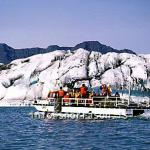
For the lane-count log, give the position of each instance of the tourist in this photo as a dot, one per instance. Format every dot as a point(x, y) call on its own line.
point(109, 90)
point(104, 90)
point(61, 93)
point(83, 91)
point(117, 94)
point(66, 99)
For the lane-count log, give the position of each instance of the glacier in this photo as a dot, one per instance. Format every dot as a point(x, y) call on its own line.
point(32, 77)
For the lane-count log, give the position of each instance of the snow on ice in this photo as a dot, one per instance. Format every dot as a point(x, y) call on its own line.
point(33, 77)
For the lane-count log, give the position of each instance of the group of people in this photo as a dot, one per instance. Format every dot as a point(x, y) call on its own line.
point(81, 92)
point(82, 96)
point(105, 90)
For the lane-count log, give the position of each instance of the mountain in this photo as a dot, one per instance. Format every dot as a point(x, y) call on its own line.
point(56, 47)
point(7, 53)
point(32, 77)
point(98, 47)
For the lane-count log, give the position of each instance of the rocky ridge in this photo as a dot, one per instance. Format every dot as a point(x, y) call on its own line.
point(8, 54)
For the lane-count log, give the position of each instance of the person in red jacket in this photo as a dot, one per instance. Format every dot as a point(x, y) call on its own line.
point(83, 91)
point(66, 99)
point(61, 93)
point(58, 104)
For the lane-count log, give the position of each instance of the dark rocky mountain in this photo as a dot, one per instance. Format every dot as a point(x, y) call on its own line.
point(97, 46)
point(7, 53)
point(56, 47)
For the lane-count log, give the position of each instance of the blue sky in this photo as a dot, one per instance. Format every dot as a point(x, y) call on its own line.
point(40, 23)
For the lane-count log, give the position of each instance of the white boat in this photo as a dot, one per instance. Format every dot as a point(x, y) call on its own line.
point(89, 108)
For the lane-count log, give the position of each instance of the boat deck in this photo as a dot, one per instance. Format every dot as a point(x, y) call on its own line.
point(95, 102)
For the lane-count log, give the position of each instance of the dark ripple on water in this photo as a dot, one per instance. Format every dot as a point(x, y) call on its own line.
point(19, 131)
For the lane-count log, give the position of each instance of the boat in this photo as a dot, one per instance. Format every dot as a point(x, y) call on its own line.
point(92, 107)
point(96, 107)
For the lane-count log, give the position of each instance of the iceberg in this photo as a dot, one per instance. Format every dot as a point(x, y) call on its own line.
point(32, 77)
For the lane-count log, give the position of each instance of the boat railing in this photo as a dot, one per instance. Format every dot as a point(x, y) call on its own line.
point(48, 101)
point(106, 102)
point(100, 101)
point(77, 102)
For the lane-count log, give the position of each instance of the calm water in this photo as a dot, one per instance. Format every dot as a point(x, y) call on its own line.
point(20, 132)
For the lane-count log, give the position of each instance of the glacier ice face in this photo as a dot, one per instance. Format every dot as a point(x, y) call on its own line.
point(16, 92)
point(2, 91)
point(34, 76)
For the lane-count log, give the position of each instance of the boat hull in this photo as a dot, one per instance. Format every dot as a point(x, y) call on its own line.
point(88, 110)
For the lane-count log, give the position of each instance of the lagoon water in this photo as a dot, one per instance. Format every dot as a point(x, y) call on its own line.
point(18, 131)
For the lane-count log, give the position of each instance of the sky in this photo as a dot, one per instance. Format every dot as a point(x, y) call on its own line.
point(40, 23)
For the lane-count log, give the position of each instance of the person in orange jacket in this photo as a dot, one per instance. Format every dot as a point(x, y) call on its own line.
point(83, 91)
point(66, 99)
point(58, 103)
point(61, 93)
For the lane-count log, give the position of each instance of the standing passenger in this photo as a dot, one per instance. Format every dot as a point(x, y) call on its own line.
point(61, 93)
point(66, 99)
point(109, 90)
point(104, 90)
point(83, 91)
point(58, 103)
